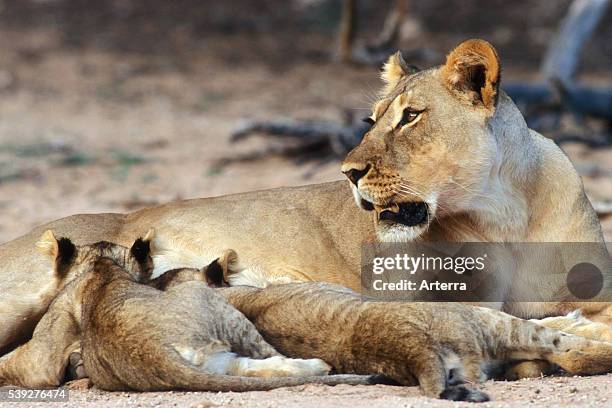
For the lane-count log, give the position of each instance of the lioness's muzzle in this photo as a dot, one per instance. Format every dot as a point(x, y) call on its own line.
point(410, 214)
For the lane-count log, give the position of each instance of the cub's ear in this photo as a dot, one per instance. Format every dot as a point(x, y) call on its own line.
point(149, 235)
point(218, 271)
point(60, 250)
point(473, 72)
point(141, 248)
point(47, 244)
point(394, 70)
point(66, 251)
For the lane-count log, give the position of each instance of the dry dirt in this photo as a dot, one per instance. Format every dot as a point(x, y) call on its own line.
point(544, 392)
point(93, 130)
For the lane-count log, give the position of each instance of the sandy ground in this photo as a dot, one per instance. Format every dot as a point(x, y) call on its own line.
point(544, 392)
point(91, 130)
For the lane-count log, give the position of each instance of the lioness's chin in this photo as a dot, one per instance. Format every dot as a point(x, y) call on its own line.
point(395, 232)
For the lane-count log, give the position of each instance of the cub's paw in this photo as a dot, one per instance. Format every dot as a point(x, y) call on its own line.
point(303, 367)
point(75, 369)
point(462, 393)
point(313, 367)
point(82, 384)
point(279, 366)
point(529, 369)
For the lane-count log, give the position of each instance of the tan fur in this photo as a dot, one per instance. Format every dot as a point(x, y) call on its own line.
point(463, 64)
point(42, 361)
point(440, 345)
point(393, 70)
point(135, 337)
point(484, 175)
point(47, 245)
point(487, 176)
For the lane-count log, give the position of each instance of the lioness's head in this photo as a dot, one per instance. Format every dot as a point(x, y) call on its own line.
point(70, 260)
point(429, 149)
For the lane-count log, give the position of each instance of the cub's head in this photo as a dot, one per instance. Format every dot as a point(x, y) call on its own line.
point(70, 260)
point(216, 274)
point(430, 148)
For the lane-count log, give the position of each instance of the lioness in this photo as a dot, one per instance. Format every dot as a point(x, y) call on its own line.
point(449, 158)
point(135, 337)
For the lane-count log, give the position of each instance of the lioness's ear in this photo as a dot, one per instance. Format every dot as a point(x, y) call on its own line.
point(472, 71)
point(141, 248)
point(218, 271)
point(394, 70)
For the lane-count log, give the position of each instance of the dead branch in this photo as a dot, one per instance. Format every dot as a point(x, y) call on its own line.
point(339, 138)
point(603, 209)
point(594, 102)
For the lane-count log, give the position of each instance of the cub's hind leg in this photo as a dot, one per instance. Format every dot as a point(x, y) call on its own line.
point(216, 358)
point(242, 334)
point(233, 328)
point(239, 348)
point(279, 366)
point(439, 379)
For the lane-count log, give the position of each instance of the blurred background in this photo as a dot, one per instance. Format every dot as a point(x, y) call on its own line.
point(119, 104)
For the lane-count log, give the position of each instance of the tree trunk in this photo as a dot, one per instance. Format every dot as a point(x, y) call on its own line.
point(563, 54)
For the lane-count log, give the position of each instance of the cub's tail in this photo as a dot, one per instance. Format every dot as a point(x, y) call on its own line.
point(210, 382)
point(174, 373)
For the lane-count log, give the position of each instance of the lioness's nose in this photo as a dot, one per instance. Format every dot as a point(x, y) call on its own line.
point(355, 174)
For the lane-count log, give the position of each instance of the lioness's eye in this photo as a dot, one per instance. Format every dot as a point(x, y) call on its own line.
point(408, 116)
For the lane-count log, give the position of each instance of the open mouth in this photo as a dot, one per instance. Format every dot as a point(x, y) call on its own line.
point(410, 214)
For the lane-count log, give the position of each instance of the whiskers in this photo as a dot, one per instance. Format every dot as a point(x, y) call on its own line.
point(368, 97)
point(405, 191)
point(472, 192)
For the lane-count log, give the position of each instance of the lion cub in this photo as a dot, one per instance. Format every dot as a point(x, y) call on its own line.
point(440, 346)
point(135, 337)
